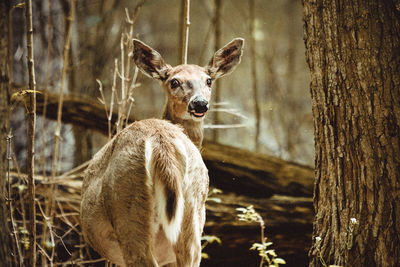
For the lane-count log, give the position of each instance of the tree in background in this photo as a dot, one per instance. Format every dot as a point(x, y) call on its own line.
point(4, 111)
point(353, 52)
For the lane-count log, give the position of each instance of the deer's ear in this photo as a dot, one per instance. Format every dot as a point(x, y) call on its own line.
point(149, 61)
point(226, 59)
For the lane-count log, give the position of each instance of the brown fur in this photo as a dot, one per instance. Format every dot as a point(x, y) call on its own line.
point(192, 80)
point(118, 203)
point(144, 192)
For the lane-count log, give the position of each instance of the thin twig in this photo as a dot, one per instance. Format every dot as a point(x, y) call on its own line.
point(10, 201)
point(229, 111)
point(123, 81)
point(50, 204)
point(131, 99)
point(48, 60)
point(48, 224)
point(74, 170)
point(224, 126)
point(62, 81)
point(217, 44)
point(185, 34)
point(103, 101)
point(78, 262)
point(44, 252)
point(31, 134)
point(113, 94)
point(10, 40)
point(253, 56)
point(43, 137)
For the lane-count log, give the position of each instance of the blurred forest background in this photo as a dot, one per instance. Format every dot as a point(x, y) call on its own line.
point(282, 77)
point(264, 105)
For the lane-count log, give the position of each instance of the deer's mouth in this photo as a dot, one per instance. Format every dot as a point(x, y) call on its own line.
point(197, 114)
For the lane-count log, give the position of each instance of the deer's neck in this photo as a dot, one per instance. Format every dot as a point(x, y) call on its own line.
point(193, 129)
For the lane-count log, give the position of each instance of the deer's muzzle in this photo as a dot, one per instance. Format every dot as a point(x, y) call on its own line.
point(198, 107)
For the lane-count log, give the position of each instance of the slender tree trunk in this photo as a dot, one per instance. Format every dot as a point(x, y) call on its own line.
point(5, 251)
point(31, 134)
point(217, 45)
point(253, 55)
point(353, 51)
point(185, 31)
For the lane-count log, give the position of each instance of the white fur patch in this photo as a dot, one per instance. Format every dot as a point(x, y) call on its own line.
point(172, 229)
point(148, 152)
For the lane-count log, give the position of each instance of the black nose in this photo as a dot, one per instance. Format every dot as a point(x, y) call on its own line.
point(199, 105)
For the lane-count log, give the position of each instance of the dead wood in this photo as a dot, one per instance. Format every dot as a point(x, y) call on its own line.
point(288, 223)
point(231, 169)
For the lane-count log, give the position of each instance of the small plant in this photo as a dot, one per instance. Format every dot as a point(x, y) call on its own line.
point(211, 195)
point(208, 239)
point(268, 256)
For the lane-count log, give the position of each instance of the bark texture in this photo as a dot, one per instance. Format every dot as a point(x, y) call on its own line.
point(353, 51)
point(5, 255)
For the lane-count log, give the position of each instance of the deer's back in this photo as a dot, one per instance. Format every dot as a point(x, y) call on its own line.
point(117, 185)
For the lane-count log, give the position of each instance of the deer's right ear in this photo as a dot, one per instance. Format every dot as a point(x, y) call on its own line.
point(149, 61)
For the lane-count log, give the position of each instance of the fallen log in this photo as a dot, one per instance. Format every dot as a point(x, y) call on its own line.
point(78, 110)
point(231, 169)
point(248, 173)
point(287, 221)
point(280, 191)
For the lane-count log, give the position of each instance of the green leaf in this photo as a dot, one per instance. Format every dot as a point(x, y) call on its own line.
point(271, 252)
point(211, 239)
point(241, 209)
point(279, 261)
point(20, 5)
point(267, 244)
point(216, 191)
point(215, 199)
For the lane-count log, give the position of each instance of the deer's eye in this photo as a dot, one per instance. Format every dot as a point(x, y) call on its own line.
point(174, 83)
point(209, 82)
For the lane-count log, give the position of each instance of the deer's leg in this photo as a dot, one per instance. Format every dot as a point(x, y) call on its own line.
point(188, 247)
point(134, 236)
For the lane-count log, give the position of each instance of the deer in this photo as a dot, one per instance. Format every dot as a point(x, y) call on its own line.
point(144, 192)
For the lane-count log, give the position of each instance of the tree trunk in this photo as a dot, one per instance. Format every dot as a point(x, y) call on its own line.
point(5, 255)
point(353, 51)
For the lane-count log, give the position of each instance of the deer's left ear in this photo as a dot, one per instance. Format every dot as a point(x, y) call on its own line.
point(226, 59)
point(149, 61)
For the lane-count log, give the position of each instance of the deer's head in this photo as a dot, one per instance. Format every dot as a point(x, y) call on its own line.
point(188, 87)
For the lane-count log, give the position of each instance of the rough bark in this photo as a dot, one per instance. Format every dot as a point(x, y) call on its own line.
point(5, 251)
point(353, 51)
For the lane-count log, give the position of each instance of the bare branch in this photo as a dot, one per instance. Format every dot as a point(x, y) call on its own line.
point(31, 134)
point(185, 33)
point(10, 201)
